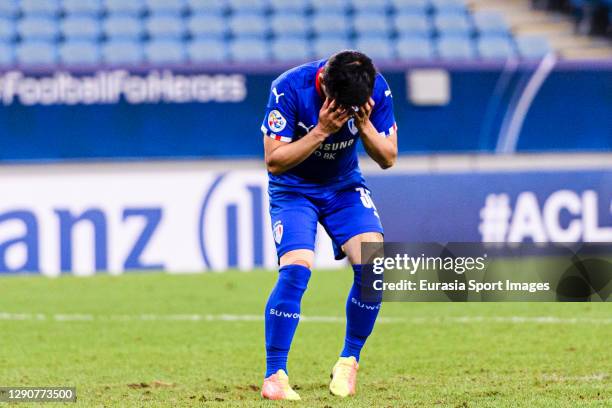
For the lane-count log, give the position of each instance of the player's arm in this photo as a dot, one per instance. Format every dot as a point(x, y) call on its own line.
point(383, 150)
point(282, 156)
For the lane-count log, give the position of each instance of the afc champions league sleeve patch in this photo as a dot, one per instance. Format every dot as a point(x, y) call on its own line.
point(276, 121)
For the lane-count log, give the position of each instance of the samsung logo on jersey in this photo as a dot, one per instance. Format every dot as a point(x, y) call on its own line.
point(327, 150)
point(336, 146)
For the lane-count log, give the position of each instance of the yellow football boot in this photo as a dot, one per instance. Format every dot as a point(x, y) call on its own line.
point(344, 377)
point(276, 387)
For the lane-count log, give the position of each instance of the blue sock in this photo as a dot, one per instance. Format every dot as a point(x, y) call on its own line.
point(360, 318)
point(283, 314)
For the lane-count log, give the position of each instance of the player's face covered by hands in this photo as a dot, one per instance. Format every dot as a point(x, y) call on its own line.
point(332, 116)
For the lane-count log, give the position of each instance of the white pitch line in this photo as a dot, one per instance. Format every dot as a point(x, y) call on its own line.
point(79, 317)
point(22, 316)
point(581, 378)
point(73, 317)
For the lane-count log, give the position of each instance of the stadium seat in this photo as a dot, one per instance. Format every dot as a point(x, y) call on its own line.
point(248, 6)
point(495, 48)
point(329, 6)
point(411, 6)
point(289, 6)
point(38, 28)
point(490, 23)
point(122, 52)
point(325, 47)
point(7, 30)
point(165, 27)
point(371, 23)
point(8, 8)
point(207, 6)
point(414, 48)
point(413, 24)
point(165, 52)
point(249, 50)
point(450, 24)
point(163, 7)
point(79, 53)
point(6, 54)
point(330, 24)
point(207, 26)
point(449, 6)
point(49, 8)
point(36, 53)
point(248, 25)
point(206, 51)
point(290, 25)
point(82, 7)
point(532, 47)
point(377, 48)
point(123, 27)
point(291, 50)
point(365, 6)
point(131, 7)
point(81, 28)
point(455, 48)
point(334, 24)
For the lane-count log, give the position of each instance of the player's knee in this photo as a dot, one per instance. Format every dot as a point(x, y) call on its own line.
point(302, 262)
point(357, 240)
point(371, 237)
point(294, 279)
point(353, 247)
point(301, 257)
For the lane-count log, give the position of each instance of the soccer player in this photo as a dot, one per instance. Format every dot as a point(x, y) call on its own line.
point(315, 114)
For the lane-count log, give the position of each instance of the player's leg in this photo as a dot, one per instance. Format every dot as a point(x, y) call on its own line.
point(283, 307)
point(294, 222)
point(356, 205)
point(360, 314)
point(360, 319)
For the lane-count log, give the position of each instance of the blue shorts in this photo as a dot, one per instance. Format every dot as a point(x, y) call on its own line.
point(343, 213)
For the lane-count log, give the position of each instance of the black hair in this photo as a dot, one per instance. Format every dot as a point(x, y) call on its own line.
point(349, 78)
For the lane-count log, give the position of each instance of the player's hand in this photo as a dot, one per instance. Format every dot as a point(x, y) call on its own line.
point(331, 117)
point(362, 116)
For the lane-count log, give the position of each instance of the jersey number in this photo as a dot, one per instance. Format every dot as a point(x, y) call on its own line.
point(366, 199)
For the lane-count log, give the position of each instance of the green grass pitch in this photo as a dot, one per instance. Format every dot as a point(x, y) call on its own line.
point(197, 340)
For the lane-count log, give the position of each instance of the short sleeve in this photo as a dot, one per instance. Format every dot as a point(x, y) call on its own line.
point(279, 120)
point(382, 116)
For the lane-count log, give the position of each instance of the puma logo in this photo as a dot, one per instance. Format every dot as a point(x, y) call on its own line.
point(277, 95)
point(306, 128)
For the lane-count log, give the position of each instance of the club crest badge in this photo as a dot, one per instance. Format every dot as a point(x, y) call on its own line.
point(276, 121)
point(351, 126)
point(277, 231)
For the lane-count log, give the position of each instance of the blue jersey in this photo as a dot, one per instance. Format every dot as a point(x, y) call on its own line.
point(293, 110)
